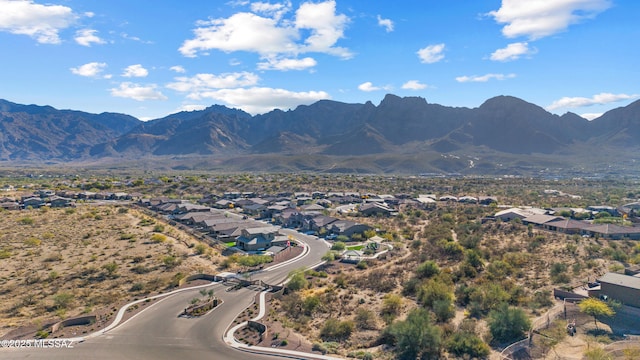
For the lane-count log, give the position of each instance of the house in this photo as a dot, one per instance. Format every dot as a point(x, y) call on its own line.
point(566, 226)
point(608, 209)
point(448, 198)
point(58, 202)
point(613, 232)
point(623, 288)
point(468, 200)
point(487, 200)
point(375, 209)
point(197, 218)
point(312, 207)
point(254, 239)
point(34, 202)
point(540, 219)
point(254, 210)
point(319, 222)
point(10, 205)
point(426, 201)
point(348, 228)
point(230, 230)
point(224, 204)
point(517, 213)
point(186, 207)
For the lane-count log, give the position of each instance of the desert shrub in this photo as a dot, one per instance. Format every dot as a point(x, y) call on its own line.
point(171, 261)
point(365, 319)
point(336, 330)
point(62, 300)
point(427, 269)
point(137, 287)
point(158, 238)
point(201, 249)
point(32, 241)
point(26, 221)
point(464, 344)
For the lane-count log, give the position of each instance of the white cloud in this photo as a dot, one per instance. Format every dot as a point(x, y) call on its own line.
point(201, 83)
point(136, 70)
point(598, 99)
point(484, 78)
point(41, 22)
point(512, 52)
point(431, 54)
point(325, 25)
point(275, 11)
point(179, 69)
point(287, 64)
point(86, 37)
point(536, 19)
point(190, 107)
point(259, 100)
point(368, 87)
point(591, 116)
point(241, 32)
point(137, 92)
point(414, 85)
point(270, 35)
point(92, 69)
point(385, 23)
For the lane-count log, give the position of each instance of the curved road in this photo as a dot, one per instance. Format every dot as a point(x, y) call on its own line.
point(158, 333)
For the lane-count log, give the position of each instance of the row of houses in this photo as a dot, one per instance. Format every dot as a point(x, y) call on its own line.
point(546, 220)
point(35, 202)
point(252, 235)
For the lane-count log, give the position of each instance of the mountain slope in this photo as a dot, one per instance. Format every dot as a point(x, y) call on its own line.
point(42, 132)
point(399, 135)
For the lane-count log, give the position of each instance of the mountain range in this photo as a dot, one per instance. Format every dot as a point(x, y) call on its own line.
point(400, 135)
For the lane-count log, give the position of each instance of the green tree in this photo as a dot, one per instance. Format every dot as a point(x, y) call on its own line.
point(464, 343)
point(338, 246)
point(595, 308)
point(416, 336)
point(508, 323)
point(434, 290)
point(297, 281)
point(427, 269)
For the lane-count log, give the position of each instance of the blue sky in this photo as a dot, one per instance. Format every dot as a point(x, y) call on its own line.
point(153, 58)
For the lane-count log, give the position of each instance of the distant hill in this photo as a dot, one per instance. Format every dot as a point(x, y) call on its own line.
point(405, 135)
point(43, 133)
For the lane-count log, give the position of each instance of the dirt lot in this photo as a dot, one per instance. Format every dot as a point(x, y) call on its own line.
point(605, 335)
point(61, 263)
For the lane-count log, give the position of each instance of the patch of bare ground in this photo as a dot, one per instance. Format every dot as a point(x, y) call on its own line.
point(90, 260)
point(276, 336)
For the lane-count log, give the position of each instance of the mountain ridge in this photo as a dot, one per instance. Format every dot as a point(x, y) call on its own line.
point(401, 134)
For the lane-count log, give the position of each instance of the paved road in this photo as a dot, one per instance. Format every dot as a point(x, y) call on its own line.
point(158, 333)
